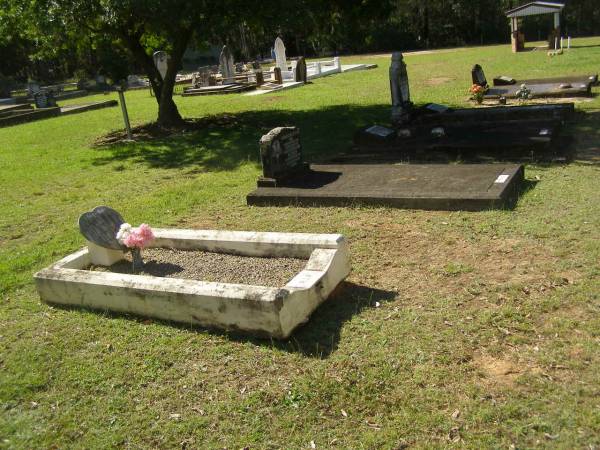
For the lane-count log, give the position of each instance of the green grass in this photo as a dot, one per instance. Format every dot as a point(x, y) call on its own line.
point(492, 314)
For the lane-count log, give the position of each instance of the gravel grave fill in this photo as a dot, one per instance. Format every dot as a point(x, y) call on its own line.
point(209, 266)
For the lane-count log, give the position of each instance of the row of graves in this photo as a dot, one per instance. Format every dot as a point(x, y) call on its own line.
point(411, 162)
point(230, 77)
point(41, 103)
point(268, 283)
point(507, 87)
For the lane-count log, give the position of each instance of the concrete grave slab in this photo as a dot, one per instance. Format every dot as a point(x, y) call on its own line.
point(468, 187)
point(75, 109)
point(266, 311)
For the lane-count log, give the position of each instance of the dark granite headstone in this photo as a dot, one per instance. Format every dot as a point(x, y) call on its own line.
point(478, 76)
point(101, 226)
point(300, 74)
point(504, 81)
point(277, 77)
point(281, 156)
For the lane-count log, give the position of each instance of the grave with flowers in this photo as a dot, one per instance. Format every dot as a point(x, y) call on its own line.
point(509, 87)
point(435, 132)
point(257, 282)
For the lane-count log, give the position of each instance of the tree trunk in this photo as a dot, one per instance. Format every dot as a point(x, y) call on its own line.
point(168, 114)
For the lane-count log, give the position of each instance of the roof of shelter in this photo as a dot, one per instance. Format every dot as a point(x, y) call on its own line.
point(535, 8)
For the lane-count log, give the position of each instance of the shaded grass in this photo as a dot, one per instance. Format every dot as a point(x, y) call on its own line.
point(493, 314)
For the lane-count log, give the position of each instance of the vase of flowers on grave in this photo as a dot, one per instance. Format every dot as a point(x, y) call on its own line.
point(524, 93)
point(135, 239)
point(477, 93)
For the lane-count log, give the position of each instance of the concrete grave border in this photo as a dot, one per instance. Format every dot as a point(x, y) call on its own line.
point(261, 310)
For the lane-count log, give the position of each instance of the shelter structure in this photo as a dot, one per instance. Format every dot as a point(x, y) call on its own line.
point(533, 9)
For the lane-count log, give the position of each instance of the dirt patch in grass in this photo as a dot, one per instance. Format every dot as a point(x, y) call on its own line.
point(497, 371)
point(152, 131)
point(436, 81)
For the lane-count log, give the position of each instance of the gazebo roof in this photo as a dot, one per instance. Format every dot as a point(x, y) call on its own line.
point(535, 8)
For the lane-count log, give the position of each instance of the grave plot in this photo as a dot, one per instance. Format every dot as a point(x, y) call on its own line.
point(260, 283)
point(437, 132)
point(75, 109)
point(17, 114)
point(507, 87)
point(288, 180)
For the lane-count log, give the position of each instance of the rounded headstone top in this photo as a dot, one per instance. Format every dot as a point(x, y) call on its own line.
point(100, 226)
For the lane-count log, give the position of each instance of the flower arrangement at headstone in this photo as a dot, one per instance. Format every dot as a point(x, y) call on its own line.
point(524, 93)
point(105, 227)
point(477, 92)
point(135, 239)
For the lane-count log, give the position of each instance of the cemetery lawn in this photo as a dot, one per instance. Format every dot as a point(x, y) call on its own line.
point(454, 329)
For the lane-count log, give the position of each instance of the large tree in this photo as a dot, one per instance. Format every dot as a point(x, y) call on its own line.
point(139, 26)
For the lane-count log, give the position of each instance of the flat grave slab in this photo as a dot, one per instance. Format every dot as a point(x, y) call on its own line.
point(579, 79)
point(541, 90)
point(219, 89)
point(468, 187)
point(74, 109)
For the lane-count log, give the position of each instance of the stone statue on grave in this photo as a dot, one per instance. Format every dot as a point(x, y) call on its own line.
point(226, 65)
point(401, 104)
point(161, 61)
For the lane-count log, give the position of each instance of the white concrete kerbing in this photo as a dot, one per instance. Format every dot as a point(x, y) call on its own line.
point(259, 310)
point(281, 87)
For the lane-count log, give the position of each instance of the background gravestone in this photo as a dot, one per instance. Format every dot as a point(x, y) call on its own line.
point(101, 226)
point(280, 60)
point(226, 65)
point(281, 156)
point(399, 87)
point(478, 76)
point(161, 61)
point(44, 99)
point(300, 72)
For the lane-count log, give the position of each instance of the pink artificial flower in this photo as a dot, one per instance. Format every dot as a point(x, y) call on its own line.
point(139, 237)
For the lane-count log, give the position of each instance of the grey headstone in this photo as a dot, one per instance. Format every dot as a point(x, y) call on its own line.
point(226, 65)
point(281, 152)
point(101, 226)
point(399, 88)
point(44, 99)
point(280, 58)
point(478, 76)
point(300, 72)
point(161, 61)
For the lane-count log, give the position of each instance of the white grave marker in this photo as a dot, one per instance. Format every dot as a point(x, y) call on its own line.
point(280, 54)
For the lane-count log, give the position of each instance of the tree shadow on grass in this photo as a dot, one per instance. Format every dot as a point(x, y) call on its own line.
point(225, 146)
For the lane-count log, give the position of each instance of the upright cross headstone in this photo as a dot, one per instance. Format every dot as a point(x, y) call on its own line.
point(478, 76)
point(300, 70)
point(281, 156)
point(280, 60)
point(401, 104)
point(226, 65)
point(161, 61)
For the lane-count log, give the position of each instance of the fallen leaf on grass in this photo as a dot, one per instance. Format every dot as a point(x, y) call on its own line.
point(175, 416)
point(456, 414)
point(344, 413)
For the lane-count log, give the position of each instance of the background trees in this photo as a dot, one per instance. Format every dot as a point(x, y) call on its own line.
point(50, 40)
